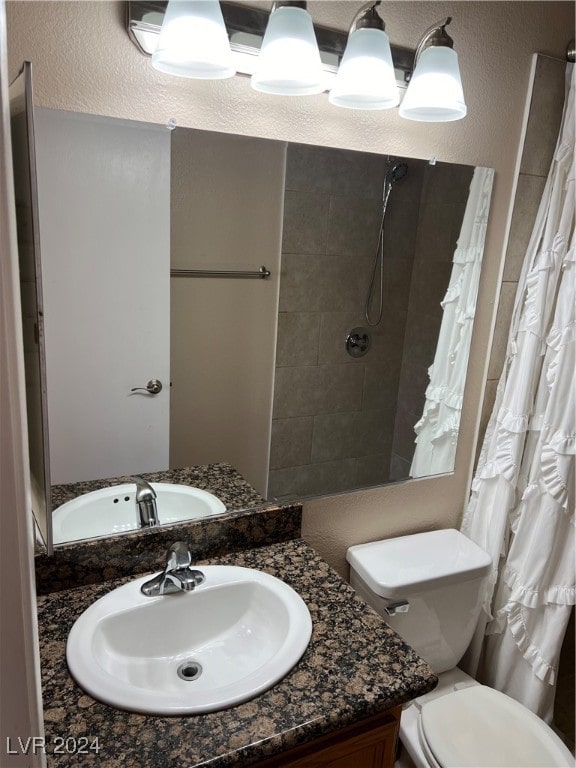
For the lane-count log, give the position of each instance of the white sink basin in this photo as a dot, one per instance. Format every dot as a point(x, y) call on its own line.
point(233, 637)
point(113, 510)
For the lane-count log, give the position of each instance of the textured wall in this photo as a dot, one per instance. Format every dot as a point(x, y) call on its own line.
point(84, 61)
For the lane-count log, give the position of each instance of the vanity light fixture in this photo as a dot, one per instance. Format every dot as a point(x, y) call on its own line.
point(435, 93)
point(246, 27)
point(285, 53)
point(289, 62)
point(193, 41)
point(366, 78)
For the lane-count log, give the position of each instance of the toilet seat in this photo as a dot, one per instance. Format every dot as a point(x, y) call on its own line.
point(478, 727)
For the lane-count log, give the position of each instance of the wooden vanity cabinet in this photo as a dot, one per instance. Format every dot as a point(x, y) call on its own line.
point(370, 743)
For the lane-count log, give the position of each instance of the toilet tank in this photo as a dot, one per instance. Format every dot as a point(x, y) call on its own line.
point(440, 574)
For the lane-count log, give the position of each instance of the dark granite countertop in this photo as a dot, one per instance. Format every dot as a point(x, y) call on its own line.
point(354, 667)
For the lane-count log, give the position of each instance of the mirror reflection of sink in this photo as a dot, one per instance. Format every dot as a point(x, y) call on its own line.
point(231, 638)
point(113, 510)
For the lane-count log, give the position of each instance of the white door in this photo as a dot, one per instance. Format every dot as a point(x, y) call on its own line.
point(104, 202)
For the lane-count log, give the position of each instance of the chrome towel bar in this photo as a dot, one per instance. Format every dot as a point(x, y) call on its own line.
point(260, 274)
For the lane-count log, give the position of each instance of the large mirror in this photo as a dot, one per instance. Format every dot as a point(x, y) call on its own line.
point(314, 379)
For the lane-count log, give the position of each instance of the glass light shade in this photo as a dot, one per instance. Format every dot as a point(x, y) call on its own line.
point(435, 91)
point(289, 61)
point(365, 78)
point(193, 41)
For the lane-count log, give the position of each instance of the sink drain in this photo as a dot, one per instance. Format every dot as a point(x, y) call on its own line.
point(189, 671)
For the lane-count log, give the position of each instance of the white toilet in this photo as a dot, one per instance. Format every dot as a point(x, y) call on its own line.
point(427, 587)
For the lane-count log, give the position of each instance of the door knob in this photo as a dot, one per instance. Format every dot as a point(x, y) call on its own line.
point(152, 388)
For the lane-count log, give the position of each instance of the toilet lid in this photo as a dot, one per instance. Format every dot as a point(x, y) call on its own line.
point(478, 727)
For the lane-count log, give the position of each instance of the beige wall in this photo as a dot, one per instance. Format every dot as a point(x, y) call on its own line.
point(84, 61)
point(227, 197)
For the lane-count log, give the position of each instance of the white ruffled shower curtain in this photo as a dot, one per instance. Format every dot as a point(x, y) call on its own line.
point(521, 509)
point(437, 430)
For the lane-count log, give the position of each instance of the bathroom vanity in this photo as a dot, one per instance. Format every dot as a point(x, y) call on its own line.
point(339, 706)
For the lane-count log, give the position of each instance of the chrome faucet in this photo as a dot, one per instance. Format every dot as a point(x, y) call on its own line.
point(177, 575)
point(145, 503)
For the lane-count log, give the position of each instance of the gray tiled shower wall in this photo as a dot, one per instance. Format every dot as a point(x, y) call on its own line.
point(334, 416)
point(442, 205)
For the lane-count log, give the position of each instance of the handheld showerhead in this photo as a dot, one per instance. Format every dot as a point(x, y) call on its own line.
point(397, 172)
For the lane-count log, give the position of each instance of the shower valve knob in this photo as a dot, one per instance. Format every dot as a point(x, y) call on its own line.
point(358, 342)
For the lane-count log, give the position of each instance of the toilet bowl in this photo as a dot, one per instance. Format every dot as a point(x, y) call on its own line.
point(427, 586)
